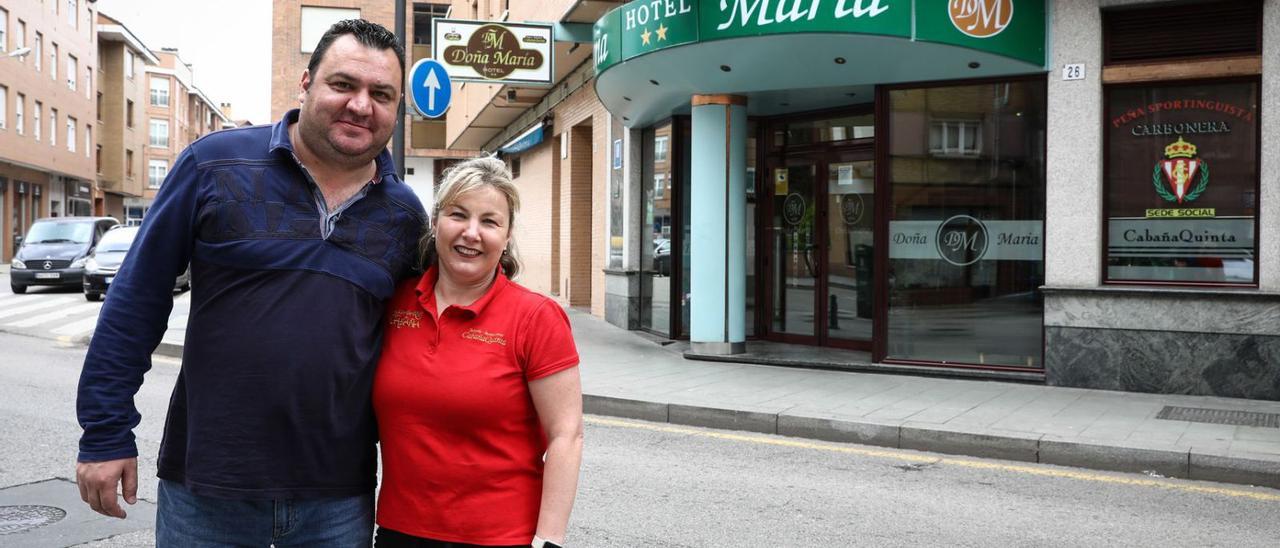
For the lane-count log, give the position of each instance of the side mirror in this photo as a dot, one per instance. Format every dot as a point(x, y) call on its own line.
point(17, 241)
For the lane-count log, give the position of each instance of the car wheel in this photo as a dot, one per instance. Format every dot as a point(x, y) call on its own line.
point(19, 289)
point(92, 296)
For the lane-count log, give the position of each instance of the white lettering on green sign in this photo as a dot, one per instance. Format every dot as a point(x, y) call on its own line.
point(652, 10)
point(783, 11)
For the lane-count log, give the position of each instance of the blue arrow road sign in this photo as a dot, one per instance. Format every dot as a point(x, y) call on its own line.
point(429, 87)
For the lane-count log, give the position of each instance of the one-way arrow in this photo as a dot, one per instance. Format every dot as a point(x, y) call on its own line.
point(432, 85)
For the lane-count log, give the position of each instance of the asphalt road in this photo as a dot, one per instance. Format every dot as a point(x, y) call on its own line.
point(657, 485)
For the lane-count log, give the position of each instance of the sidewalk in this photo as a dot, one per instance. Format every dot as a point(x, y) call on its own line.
point(624, 374)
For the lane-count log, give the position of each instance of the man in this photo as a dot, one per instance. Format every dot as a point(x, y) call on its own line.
point(296, 235)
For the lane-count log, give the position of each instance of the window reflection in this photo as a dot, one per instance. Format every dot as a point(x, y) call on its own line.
point(966, 228)
point(655, 232)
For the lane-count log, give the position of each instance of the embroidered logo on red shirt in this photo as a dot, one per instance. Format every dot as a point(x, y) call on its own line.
point(406, 318)
point(485, 336)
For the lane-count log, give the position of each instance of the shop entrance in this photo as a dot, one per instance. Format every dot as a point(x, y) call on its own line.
point(817, 244)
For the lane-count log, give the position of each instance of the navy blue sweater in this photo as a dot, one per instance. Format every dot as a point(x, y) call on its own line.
point(273, 399)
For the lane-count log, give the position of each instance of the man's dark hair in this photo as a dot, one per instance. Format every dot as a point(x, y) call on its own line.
point(371, 35)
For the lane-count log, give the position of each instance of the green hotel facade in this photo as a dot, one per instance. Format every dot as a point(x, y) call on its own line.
point(1081, 193)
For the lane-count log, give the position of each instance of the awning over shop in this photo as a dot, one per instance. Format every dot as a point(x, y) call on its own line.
point(525, 141)
point(651, 56)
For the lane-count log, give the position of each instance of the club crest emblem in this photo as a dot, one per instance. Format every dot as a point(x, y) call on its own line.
point(1181, 176)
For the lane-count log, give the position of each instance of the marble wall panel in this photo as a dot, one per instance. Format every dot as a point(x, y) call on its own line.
point(1073, 166)
point(1269, 199)
point(1163, 362)
point(1174, 310)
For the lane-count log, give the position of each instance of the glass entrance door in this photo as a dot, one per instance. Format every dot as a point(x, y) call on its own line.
point(821, 249)
point(848, 257)
point(796, 261)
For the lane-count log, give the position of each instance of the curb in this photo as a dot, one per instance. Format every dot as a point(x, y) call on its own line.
point(172, 350)
point(1009, 445)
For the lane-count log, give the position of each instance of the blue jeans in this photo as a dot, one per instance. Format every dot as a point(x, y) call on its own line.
point(187, 520)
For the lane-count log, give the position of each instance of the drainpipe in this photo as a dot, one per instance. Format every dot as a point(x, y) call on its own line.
point(397, 138)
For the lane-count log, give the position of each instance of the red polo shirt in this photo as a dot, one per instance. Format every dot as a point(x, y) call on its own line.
point(461, 443)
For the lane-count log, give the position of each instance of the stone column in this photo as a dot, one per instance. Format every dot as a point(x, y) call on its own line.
point(717, 225)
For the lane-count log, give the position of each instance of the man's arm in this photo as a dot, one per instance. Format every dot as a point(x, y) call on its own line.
point(130, 326)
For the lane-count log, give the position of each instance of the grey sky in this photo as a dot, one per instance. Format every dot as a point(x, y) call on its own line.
point(227, 43)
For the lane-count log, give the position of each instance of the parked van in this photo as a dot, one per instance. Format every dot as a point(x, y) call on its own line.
point(54, 251)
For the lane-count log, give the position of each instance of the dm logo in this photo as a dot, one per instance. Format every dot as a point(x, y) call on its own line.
point(961, 240)
point(981, 18)
point(1178, 171)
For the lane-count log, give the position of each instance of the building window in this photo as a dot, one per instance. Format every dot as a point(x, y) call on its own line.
point(73, 69)
point(37, 52)
point(98, 158)
point(128, 163)
point(20, 39)
point(128, 112)
point(73, 9)
point(88, 140)
point(19, 110)
point(128, 64)
point(966, 231)
point(661, 144)
point(88, 82)
point(53, 61)
point(4, 30)
point(99, 106)
point(159, 91)
point(955, 138)
point(315, 21)
point(4, 107)
point(423, 15)
point(71, 134)
point(53, 127)
point(160, 133)
point(157, 170)
point(36, 126)
point(1182, 183)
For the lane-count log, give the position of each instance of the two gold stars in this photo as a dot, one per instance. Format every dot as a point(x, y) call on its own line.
point(661, 30)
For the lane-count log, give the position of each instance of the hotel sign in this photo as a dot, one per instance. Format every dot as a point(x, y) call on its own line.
point(962, 240)
point(494, 53)
point(1012, 28)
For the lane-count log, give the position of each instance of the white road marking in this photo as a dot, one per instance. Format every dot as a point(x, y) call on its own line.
point(78, 327)
point(57, 314)
point(38, 305)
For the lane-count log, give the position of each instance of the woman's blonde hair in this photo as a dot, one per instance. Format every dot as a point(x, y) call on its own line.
point(465, 177)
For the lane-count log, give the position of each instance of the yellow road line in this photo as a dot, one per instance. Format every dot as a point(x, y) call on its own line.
point(1037, 470)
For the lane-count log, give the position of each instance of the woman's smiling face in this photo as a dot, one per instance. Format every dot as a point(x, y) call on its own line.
point(471, 234)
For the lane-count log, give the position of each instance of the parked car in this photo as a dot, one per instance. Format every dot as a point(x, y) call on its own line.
point(54, 251)
point(102, 265)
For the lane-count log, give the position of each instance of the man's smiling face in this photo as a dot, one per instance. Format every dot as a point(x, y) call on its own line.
point(349, 105)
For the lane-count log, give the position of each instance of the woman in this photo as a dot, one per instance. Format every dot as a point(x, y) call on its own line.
point(477, 393)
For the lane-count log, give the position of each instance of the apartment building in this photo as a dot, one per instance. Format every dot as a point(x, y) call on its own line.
point(298, 25)
point(123, 59)
point(177, 113)
point(48, 127)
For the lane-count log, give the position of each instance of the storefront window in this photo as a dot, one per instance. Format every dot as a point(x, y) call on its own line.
point(966, 230)
point(655, 234)
point(825, 130)
point(617, 214)
point(1182, 183)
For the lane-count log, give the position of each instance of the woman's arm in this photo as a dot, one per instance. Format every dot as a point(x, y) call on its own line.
point(558, 401)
